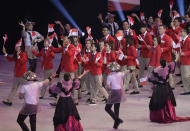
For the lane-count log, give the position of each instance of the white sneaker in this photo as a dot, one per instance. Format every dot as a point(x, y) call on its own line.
point(92, 103)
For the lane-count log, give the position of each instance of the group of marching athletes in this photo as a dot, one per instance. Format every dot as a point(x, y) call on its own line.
point(105, 66)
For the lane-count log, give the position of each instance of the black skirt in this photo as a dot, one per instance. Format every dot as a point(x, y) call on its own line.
point(160, 96)
point(65, 108)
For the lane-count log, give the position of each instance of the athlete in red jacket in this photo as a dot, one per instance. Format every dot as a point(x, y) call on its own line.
point(20, 60)
point(47, 64)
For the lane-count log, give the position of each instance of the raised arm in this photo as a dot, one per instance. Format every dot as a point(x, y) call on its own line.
point(60, 24)
point(57, 50)
point(46, 81)
point(23, 32)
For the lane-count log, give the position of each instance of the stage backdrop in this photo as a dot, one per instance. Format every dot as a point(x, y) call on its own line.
point(126, 5)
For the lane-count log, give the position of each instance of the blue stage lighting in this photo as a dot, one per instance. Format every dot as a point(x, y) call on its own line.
point(181, 7)
point(119, 10)
point(61, 8)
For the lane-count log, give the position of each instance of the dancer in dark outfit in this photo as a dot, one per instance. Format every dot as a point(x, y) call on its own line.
point(162, 103)
point(66, 117)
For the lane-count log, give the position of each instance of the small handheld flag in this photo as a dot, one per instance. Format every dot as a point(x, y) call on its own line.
point(50, 28)
point(130, 20)
point(5, 38)
point(88, 29)
point(19, 43)
point(171, 4)
point(73, 32)
point(142, 16)
point(143, 81)
point(160, 13)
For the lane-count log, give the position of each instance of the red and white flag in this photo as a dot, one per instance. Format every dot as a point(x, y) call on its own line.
point(19, 43)
point(126, 5)
point(171, 4)
point(90, 37)
point(119, 36)
point(51, 38)
point(151, 32)
point(88, 29)
point(142, 16)
point(61, 37)
point(55, 35)
point(140, 38)
point(160, 13)
point(34, 35)
point(130, 20)
point(137, 63)
point(98, 57)
point(5, 38)
point(143, 81)
point(73, 32)
point(121, 55)
point(176, 14)
point(50, 27)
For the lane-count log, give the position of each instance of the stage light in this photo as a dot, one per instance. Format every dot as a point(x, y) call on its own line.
point(181, 7)
point(61, 8)
point(119, 10)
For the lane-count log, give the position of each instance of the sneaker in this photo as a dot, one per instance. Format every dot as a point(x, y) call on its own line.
point(135, 92)
point(104, 99)
point(53, 95)
point(83, 91)
point(117, 123)
point(126, 90)
point(88, 100)
point(53, 104)
point(179, 83)
point(41, 97)
point(178, 74)
point(92, 103)
point(185, 93)
point(7, 103)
